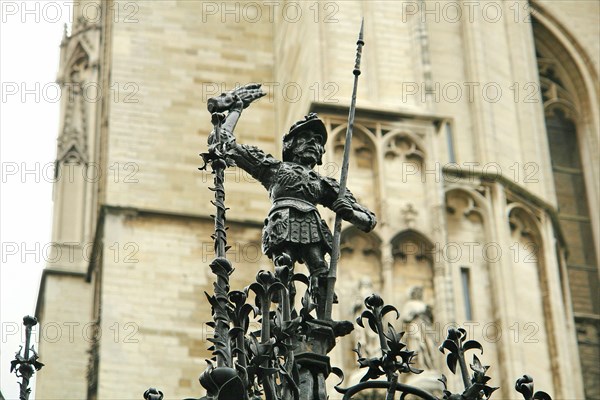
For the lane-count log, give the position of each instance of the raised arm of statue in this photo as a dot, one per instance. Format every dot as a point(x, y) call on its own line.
point(260, 165)
point(349, 209)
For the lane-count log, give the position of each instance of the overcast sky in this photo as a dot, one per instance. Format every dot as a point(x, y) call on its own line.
point(29, 111)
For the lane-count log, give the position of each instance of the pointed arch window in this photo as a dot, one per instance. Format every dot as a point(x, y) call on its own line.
point(571, 194)
point(570, 138)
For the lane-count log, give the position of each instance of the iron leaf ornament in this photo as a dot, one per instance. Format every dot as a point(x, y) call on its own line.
point(394, 358)
point(476, 386)
point(524, 386)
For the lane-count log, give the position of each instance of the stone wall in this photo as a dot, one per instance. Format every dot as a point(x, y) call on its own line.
point(428, 102)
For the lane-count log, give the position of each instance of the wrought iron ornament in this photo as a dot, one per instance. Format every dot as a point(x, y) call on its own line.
point(24, 366)
point(287, 359)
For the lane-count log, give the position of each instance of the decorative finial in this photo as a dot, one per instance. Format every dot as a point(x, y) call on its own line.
point(153, 394)
point(25, 365)
point(360, 43)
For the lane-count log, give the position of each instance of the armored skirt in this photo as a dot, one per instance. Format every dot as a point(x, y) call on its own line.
point(293, 221)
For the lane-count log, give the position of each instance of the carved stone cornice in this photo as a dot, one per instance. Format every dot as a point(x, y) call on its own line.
point(513, 189)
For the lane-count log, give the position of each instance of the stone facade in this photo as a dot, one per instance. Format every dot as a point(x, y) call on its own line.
point(454, 150)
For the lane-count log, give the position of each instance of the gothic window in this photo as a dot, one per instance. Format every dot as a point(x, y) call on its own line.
point(529, 288)
point(413, 273)
point(360, 259)
point(573, 210)
point(413, 266)
point(572, 140)
point(71, 165)
point(72, 143)
point(465, 278)
point(363, 164)
point(574, 215)
point(403, 170)
point(450, 143)
point(469, 246)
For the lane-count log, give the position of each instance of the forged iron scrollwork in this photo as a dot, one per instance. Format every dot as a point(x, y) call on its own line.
point(24, 366)
point(265, 351)
point(395, 358)
point(286, 359)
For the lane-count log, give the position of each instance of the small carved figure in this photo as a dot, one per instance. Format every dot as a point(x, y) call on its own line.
point(419, 316)
point(368, 340)
point(293, 226)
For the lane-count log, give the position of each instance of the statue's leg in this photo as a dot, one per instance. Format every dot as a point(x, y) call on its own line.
point(317, 268)
point(315, 260)
point(284, 256)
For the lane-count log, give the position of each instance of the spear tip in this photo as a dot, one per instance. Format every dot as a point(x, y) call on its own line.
point(362, 28)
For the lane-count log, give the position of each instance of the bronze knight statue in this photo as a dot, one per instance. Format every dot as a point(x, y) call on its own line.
point(293, 227)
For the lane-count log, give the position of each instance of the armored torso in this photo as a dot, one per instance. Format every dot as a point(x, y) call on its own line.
point(296, 181)
point(295, 190)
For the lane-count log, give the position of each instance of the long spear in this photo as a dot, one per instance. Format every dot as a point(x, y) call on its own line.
point(335, 252)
